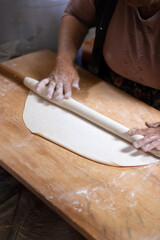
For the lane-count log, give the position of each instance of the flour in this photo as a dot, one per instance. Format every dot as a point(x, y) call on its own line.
point(6, 87)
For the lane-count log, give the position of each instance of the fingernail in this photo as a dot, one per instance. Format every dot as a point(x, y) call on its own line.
point(135, 145)
point(49, 97)
point(74, 85)
point(37, 89)
point(58, 98)
point(131, 131)
point(68, 95)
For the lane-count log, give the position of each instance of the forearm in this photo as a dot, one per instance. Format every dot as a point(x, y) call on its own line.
point(64, 75)
point(71, 35)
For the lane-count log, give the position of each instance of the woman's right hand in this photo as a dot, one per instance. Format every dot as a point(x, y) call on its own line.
point(60, 81)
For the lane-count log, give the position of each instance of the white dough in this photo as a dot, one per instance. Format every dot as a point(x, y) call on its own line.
point(80, 135)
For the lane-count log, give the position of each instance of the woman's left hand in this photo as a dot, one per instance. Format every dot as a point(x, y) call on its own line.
point(151, 138)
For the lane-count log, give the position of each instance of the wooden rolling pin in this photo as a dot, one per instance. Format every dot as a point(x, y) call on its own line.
point(5, 70)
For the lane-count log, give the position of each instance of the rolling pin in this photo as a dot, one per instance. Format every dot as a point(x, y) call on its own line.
point(77, 108)
point(5, 70)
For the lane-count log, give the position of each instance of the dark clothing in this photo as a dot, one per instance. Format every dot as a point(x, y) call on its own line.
point(104, 12)
point(146, 94)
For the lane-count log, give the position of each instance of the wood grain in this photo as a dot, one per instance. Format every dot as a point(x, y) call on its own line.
point(100, 201)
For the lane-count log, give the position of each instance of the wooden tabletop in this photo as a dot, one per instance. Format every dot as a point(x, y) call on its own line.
point(100, 201)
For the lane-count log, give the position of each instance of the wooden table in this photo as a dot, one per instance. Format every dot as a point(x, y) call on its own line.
point(100, 201)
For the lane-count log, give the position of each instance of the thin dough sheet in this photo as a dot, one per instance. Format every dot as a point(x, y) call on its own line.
point(79, 135)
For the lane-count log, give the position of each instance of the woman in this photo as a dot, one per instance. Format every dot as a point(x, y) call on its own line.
point(134, 57)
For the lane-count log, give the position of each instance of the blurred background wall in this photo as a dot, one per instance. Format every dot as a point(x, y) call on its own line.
point(29, 25)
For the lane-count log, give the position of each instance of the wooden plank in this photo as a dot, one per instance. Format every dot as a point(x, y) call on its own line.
point(100, 201)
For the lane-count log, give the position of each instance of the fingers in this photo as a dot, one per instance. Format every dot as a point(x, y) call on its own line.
point(59, 91)
point(153, 145)
point(144, 141)
point(55, 89)
point(148, 144)
point(153, 125)
point(60, 82)
point(142, 131)
point(151, 138)
point(51, 89)
point(42, 84)
point(67, 91)
point(75, 84)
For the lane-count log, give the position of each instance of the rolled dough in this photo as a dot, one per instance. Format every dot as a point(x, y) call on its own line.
point(87, 138)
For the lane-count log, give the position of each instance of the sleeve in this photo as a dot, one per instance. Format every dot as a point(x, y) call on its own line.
point(83, 10)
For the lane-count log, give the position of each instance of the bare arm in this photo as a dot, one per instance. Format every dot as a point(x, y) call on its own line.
point(71, 35)
point(64, 76)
